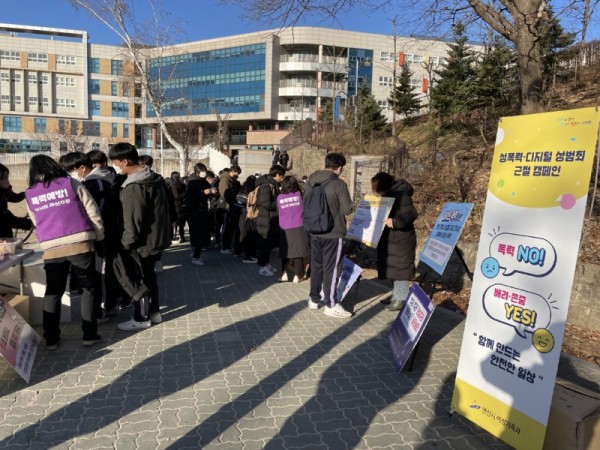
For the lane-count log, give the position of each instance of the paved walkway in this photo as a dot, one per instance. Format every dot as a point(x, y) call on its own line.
point(240, 362)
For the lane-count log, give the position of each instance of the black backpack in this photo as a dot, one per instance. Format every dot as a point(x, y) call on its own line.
point(317, 215)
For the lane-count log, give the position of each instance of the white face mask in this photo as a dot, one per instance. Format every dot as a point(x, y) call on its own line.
point(74, 175)
point(202, 174)
point(117, 169)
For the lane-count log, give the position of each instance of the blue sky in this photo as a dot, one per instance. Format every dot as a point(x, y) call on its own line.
point(203, 19)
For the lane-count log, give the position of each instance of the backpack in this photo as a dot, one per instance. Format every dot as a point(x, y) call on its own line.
point(317, 215)
point(251, 206)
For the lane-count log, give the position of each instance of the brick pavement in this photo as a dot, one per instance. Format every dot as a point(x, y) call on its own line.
point(240, 362)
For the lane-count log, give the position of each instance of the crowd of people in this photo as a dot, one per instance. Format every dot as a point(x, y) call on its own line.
point(107, 227)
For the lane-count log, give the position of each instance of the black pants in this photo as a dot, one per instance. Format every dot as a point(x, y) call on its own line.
point(57, 270)
point(148, 305)
point(200, 229)
point(264, 249)
point(325, 268)
point(228, 231)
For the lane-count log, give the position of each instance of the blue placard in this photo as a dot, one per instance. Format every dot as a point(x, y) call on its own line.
point(443, 238)
point(409, 325)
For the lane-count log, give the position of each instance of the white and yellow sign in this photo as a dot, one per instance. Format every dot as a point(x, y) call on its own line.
point(369, 219)
point(524, 273)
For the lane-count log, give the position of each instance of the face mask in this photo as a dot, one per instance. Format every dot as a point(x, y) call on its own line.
point(74, 175)
point(117, 169)
point(202, 174)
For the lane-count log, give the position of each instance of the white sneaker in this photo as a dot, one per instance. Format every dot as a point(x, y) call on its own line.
point(155, 318)
point(198, 261)
point(338, 311)
point(296, 279)
point(227, 251)
point(158, 267)
point(284, 277)
point(271, 268)
point(132, 325)
point(265, 271)
point(313, 305)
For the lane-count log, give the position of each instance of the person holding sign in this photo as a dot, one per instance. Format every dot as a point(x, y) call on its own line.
point(397, 245)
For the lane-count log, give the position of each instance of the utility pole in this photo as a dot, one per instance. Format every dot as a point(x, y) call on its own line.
point(395, 39)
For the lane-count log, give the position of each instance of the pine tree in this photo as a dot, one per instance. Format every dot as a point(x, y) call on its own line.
point(452, 90)
point(404, 99)
point(368, 117)
point(556, 46)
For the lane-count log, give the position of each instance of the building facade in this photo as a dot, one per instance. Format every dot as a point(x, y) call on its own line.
point(59, 91)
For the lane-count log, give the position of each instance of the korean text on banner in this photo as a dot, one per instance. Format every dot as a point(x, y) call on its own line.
point(444, 236)
point(350, 273)
point(369, 219)
point(18, 342)
point(524, 272)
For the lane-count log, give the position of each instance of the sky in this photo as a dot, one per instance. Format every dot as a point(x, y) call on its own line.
point(202, 19)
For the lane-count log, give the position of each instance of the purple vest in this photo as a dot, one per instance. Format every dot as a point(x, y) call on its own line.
point(290, 210)
point(57, 210)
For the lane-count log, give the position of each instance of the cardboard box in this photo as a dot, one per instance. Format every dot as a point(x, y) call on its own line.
point(20, 303)
point(574, 422)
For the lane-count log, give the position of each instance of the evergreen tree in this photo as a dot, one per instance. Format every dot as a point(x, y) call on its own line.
point(497, 83)
point(326, 115)
point(452, 90)
point(368, 117)
point(556, 46)
point(404, 99)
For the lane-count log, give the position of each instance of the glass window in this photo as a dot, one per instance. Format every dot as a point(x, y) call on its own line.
point(94, 86)
point(114, 88)
point(115, 130)
point(37, 57)
point(126, 130)
point(95, 145)
point(116, 67)
point(66, 60)
point(32, 77)
point(40, 125)
point(91, 128)
point(94, 107)
point(32, 101)
point(12, 124)
point(65, 103)
point(120, 109)
point(94, 65)
point(10, 55)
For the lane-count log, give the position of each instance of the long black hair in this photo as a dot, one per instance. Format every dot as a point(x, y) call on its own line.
point(289, 185)
point(44, 169)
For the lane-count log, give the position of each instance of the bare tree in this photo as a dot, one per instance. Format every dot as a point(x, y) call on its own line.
point(144, 43)
point(521, 22)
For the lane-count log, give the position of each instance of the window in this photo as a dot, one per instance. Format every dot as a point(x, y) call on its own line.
point(44, 79)
point(32, 101)
point(114, 88)
point(12, 124)
point(91, 128)
point(64, 127)
point(416, 83)
point(40, 125)
point(65, 81)
point(37, 57)
point(16, 77)
point(116, 67)
point(384, 105)
point(65, 103)
point(32, 77)
point(120, 109)
point(95, 145)
point(94, 65)
point(10, 55)
point(17, 99)
point(5, 99)
point(94, 86)
point(94, 107)
point(66, 60)
point(115, 130)
point(5, 76)
point(126, 130)
point(45, 101)
point(387, 56)
point(385, 81)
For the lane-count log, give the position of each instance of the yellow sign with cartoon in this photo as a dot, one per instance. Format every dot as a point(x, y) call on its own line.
point(526, 261)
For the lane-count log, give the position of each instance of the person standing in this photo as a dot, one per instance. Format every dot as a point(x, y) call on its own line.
point(8, 220)
point(146, 227)
point(267, 221)
point(67, 223)
point(326, 249)
point(99, 183)
point(290, 210)
point(247, 226)
point(197, 199)
point(178, 192)
point(396, 250)
point(229, 187)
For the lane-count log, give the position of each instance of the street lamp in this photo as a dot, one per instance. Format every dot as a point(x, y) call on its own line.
point(365, 62)
point(162, 161)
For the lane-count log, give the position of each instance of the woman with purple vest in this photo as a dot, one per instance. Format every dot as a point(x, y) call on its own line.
point(296, 244)
point(67, 224)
